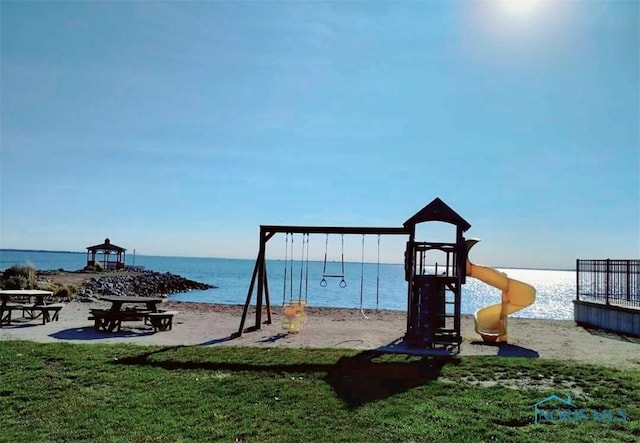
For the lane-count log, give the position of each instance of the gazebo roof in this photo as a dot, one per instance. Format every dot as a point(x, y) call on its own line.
point(438, 210)
point(106, 246)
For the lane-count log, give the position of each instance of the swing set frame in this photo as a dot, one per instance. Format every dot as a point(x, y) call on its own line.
point(259, 280)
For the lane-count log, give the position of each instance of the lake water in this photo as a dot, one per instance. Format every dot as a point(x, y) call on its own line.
point(555, 289)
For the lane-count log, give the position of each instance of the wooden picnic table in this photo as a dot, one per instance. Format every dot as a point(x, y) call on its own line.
point(32, 304)
point(111, 320)
point(28, 294)
point(117, 301)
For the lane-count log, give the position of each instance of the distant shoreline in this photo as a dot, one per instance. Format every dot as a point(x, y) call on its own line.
point(40, 250)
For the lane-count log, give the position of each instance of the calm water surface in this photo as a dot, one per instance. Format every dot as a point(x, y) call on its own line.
point(555, 289)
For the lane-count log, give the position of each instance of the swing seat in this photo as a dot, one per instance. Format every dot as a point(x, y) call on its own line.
point(291, 325)
point(294, 316)
point(294, 308)
point(295, 323)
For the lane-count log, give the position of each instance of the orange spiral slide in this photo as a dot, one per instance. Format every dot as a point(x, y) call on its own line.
point(491, 322)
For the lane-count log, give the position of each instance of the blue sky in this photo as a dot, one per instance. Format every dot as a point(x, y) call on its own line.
point(177, 128)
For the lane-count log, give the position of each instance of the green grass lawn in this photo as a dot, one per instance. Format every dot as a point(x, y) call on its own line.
point(63, 392)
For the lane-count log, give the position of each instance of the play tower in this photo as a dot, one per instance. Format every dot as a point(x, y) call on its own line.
point(435, 273)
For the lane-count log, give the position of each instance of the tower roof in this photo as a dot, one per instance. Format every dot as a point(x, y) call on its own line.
point(438, 210)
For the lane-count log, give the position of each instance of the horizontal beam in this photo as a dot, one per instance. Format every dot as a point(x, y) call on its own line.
point(366, 230)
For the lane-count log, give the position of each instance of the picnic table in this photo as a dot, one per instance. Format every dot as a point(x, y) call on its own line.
point(31, 302)
point(151, 303)
point(144, 309)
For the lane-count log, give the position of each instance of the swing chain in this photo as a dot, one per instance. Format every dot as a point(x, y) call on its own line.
point(362, 280)
point(291, 270)
point(301, 268)
point(378, 277)
point(323, 282)
point(306, 277)
point(286, 260)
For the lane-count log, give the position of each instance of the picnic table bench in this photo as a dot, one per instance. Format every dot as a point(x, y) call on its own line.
point(161, 321)
point(110, 320)
point(47, 312)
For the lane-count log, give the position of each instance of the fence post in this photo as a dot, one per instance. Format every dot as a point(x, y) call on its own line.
point(577, 279)
point(607, 281)
point(628, 280)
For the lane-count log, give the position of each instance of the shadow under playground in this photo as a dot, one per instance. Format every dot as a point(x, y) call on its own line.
point(357, 380)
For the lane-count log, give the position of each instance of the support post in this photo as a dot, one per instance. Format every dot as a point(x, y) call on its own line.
point(247, 302)
point(266, 294)
point(261, 277)
point(409, 267)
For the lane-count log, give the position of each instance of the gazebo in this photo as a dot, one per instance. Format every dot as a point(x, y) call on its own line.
point(107, 248)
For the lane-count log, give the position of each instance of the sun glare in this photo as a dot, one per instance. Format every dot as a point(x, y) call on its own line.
point(520, 8)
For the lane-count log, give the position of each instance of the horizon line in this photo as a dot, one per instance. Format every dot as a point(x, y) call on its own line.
point(274, 259)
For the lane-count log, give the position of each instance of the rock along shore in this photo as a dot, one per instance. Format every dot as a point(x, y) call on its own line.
point(140, 283)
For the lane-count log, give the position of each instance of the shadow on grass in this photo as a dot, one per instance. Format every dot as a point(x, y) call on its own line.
point(509, 350)
point(360, 379)
point(357, 379)
point(90, 333)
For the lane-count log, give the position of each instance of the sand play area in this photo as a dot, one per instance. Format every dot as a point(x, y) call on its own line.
point(212, 325)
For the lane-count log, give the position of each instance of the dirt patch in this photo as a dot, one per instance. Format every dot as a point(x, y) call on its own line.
point(76, 278)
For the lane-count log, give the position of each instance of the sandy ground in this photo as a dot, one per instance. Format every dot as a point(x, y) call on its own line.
point(212, 325)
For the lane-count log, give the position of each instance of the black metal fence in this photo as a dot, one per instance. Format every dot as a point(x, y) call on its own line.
point(613, 282)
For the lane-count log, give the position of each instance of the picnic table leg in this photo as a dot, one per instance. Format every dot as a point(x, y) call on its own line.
point(5, 314)
point(45, 316)
point(113, 324)
point(31, 313)
point(104, 324)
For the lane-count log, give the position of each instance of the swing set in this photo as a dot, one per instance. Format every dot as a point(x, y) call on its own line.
point(433, 299)
point(294, 307)
point(294, 313)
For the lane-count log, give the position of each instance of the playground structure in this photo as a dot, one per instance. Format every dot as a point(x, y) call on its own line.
point(434, 271)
